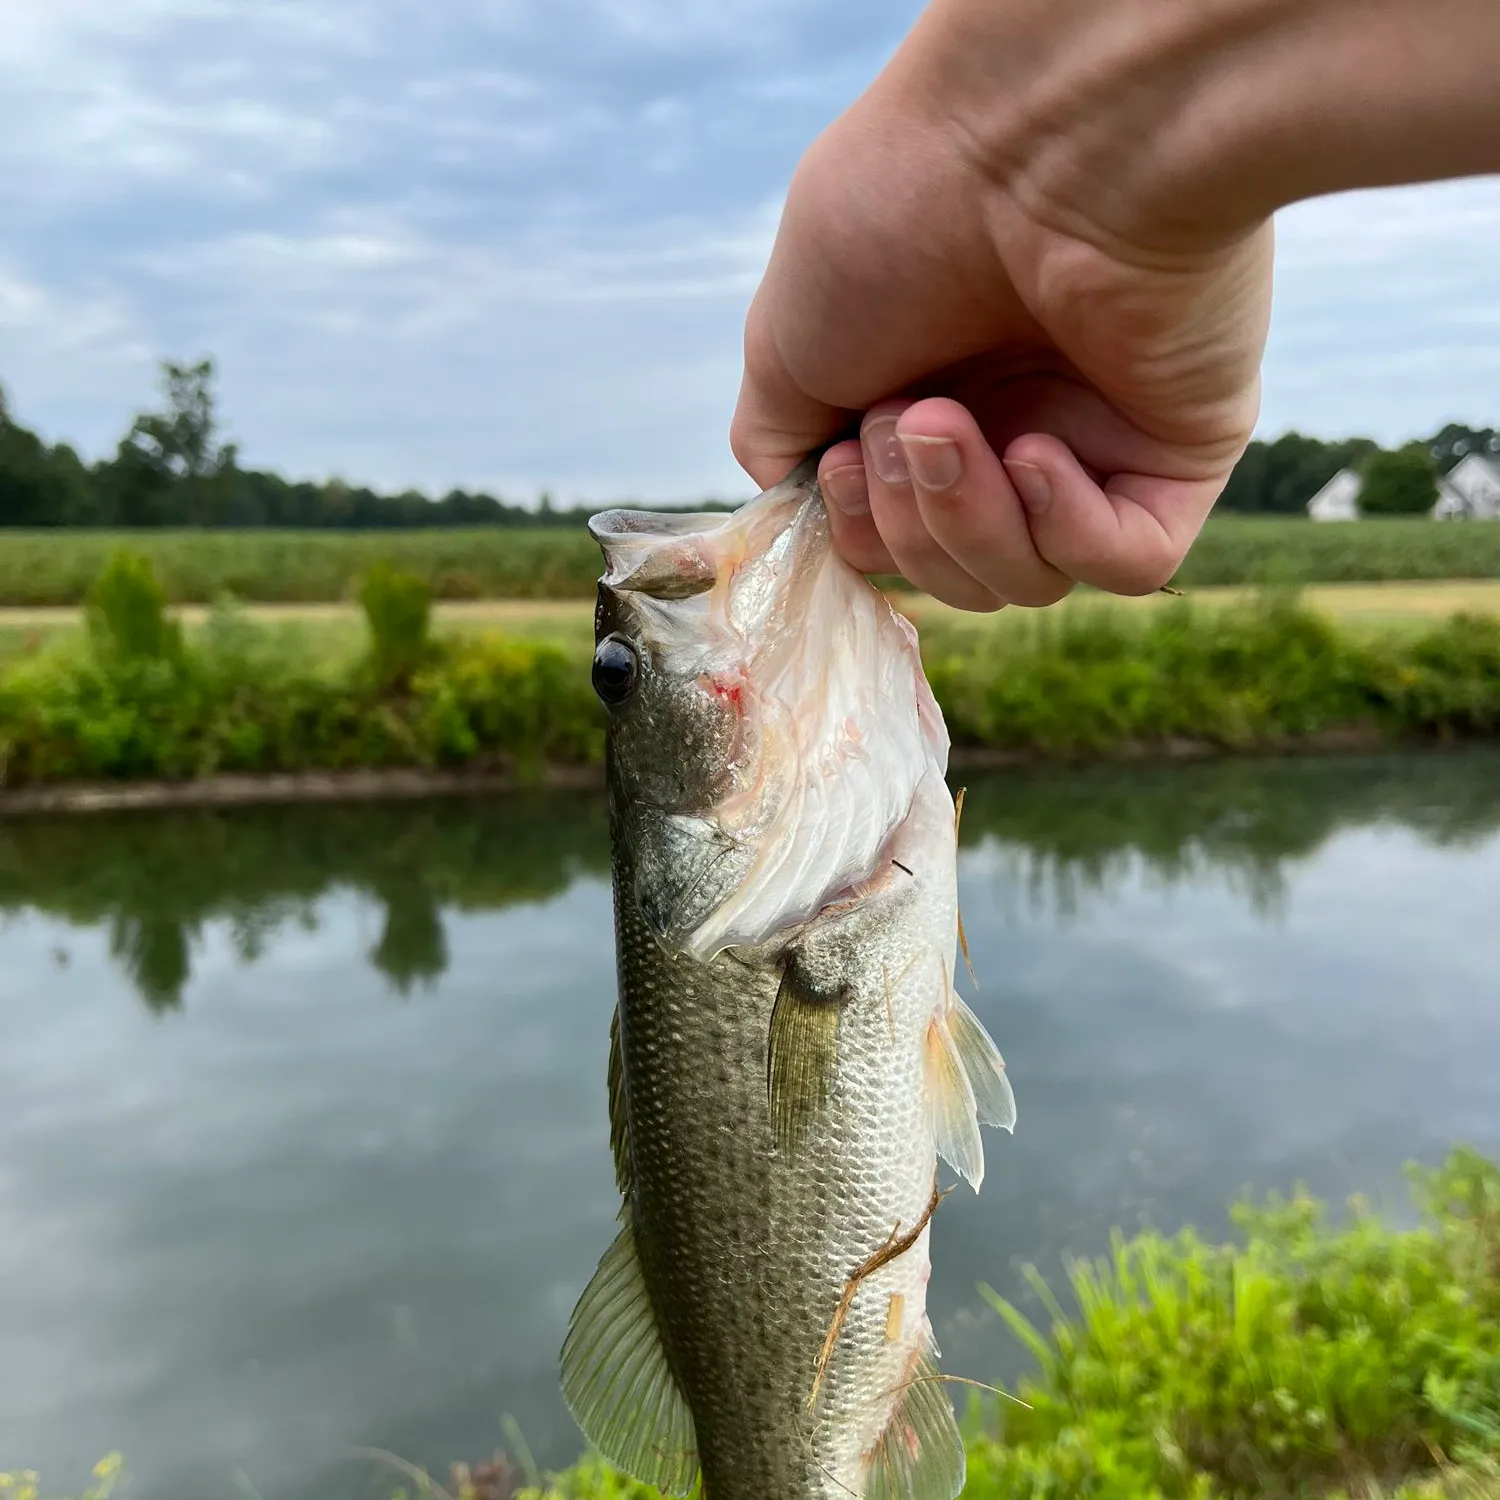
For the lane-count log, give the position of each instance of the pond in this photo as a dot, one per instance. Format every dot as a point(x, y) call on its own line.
point(303, 1144)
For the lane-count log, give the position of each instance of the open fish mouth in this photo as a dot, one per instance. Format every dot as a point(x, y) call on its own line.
point(794, 780)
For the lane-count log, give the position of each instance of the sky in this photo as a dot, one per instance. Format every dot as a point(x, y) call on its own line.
point(509, 244)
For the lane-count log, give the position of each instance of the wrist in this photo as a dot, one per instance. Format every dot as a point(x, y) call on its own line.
point(1177, 126)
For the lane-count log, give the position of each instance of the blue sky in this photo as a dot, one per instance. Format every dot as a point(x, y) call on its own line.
point(509, 243)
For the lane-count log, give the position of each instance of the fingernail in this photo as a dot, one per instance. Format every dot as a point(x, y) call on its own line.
point(1031, 483)
point(845, 489)
point(883, 450)
point(936, 463)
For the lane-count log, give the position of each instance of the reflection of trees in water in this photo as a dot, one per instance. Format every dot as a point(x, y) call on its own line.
point(413, 946)
point(153, 951)
point(156, 880)
point(1057, 837)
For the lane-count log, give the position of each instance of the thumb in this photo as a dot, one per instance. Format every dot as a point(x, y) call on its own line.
point(776, 423)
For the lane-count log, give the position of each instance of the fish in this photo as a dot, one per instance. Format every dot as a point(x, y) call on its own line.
point(789, 1056)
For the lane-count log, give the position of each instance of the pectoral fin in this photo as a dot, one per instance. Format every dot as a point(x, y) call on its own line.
point(616, 1380)
point(802, 1054)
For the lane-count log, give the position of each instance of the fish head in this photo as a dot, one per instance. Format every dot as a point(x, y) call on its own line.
point(769, 720)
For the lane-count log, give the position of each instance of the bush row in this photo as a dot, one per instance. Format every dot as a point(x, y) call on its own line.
point(196, 567)
point(139, 700)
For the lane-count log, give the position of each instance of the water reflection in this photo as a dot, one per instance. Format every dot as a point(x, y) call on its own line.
point(303, 1136)
point(156, 881)
point(1053, 840)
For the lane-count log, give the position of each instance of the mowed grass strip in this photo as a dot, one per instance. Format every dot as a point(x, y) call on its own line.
point(336, 630)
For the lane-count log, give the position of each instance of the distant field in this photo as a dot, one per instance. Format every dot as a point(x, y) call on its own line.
point(196, 567)
point(56, 568)
point(338, 629)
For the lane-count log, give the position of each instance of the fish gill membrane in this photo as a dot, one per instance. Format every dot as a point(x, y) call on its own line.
point(788, 1056)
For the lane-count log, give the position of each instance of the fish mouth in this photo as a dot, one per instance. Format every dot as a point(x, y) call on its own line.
point(669, 556)
point(664, 556)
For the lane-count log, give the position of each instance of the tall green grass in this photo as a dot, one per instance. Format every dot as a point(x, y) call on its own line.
point(196, 567)
point(136, 698)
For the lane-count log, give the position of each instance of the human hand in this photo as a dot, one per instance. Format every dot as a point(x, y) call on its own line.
point(1072, 402)
point(1034, 260)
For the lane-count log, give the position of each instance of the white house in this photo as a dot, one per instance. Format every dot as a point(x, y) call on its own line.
point(1470, 491)
point(1338, 500)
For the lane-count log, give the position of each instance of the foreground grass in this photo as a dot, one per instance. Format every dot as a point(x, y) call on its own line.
point(236, 696)
point(56, 567)
point(1307, 1362)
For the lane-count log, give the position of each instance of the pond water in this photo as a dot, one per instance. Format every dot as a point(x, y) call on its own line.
point(303, 1143)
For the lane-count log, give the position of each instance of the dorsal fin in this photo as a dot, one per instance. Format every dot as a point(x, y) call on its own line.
point(616, 1380)
point(920, 1456)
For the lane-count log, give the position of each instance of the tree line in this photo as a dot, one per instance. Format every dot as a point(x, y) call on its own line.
point(171, 468)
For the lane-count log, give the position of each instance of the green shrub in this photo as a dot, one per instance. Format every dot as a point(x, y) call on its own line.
point(237, 700)
point(126, 612)
point(237, 696)
point(1307, 1361)
point(1090, 681)
point(398, 610)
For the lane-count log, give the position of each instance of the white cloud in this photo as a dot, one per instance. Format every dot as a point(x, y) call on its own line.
point(496, 242)
point(1385, 313)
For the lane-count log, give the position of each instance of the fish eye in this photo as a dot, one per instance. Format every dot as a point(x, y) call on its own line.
point(616, 667)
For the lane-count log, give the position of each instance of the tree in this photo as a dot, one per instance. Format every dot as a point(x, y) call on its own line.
point(1403, 483)
point(1280, 477)
point(40, 486)
point(170, 466)
point(1456, 441)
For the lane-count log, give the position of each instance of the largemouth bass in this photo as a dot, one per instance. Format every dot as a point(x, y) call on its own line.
point(789, 1056)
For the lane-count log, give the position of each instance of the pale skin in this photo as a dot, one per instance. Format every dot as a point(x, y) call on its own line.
point(1033, 265)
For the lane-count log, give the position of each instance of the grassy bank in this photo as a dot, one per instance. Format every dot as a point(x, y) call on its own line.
point(45, 568)
point(1308, 1361)
point(134, 696)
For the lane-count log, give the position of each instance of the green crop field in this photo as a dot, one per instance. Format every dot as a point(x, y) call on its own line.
point(39, 568)
point(197, 567)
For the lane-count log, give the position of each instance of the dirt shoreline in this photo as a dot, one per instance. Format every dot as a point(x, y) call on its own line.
point(409, 784)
